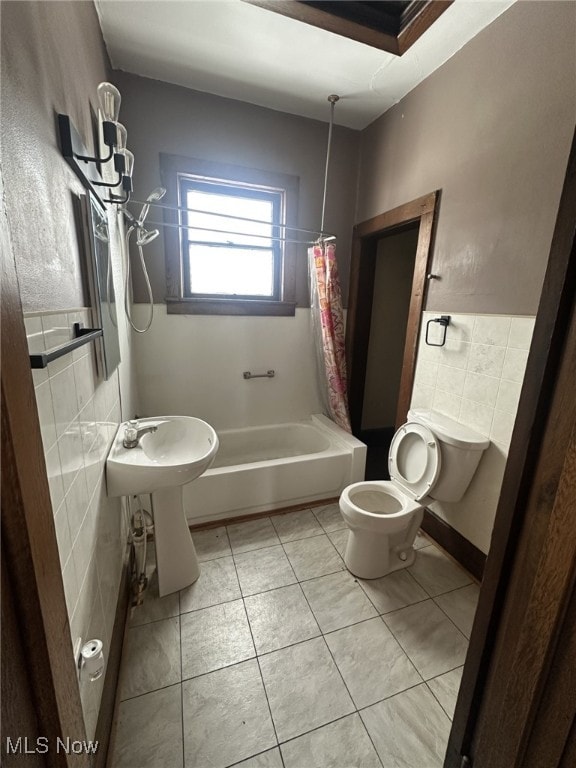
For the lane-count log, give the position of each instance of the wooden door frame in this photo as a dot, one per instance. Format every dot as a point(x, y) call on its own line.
point(421, 211)
point(29, 545)
point(31, 567)
point(514, 678)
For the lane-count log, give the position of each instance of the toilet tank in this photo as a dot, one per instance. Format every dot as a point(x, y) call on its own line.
point(461, 449)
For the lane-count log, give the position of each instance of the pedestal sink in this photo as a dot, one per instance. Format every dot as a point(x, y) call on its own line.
point(179, 451)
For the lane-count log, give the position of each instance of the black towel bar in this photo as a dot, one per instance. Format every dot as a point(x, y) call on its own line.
point(81, 336)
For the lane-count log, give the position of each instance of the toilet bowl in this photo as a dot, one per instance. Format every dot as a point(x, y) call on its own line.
point(431, 457)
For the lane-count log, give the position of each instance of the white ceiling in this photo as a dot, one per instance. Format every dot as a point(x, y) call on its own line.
point(240, 51)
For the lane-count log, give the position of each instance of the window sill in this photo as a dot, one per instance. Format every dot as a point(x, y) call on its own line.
point(230, 307)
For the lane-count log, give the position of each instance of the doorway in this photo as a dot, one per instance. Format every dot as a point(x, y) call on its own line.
point(391, 294)
point(389, 272)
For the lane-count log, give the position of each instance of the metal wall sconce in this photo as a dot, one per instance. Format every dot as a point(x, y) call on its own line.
point(88, 167)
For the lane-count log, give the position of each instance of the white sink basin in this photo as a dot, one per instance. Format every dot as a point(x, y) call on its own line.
point(180, 450)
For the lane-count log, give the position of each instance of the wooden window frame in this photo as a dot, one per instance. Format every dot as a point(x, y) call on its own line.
point(173, 167)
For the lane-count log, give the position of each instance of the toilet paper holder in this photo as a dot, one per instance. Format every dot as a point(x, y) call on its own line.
point(91, 659)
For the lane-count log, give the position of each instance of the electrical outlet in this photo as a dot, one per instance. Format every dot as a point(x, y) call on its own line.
point(78, 656)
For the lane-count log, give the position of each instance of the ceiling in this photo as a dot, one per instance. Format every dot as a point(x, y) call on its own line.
point(241, 51)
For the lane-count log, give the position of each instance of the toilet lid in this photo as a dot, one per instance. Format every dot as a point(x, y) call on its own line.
point(414, 460)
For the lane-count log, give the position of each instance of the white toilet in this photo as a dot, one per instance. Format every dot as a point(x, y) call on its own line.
point(431, 457)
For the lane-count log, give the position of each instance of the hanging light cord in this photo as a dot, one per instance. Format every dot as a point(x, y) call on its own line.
point(332, 99)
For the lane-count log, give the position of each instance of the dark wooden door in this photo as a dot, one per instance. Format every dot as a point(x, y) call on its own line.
point(517, 701)
point(20, 724)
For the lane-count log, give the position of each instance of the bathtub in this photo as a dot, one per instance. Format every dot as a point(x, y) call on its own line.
point(258, 469)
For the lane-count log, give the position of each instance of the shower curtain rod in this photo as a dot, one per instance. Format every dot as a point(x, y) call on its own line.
point(324, 238)
point(229, 216)
point(332, 99)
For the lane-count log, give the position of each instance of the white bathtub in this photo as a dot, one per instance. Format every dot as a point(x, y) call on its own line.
point(275, 466)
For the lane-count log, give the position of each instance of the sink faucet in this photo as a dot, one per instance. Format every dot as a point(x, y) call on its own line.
point(133, 432)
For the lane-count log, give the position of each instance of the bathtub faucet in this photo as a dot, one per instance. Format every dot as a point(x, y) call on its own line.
point(133, 433)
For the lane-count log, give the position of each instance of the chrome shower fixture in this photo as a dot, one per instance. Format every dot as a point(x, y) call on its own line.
point(153, 197)
point(144, 236)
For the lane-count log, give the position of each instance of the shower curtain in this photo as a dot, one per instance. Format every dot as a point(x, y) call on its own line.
point(328, 326)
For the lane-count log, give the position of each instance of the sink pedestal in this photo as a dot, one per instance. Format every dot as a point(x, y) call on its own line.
point(176, 559)
point(171, 451)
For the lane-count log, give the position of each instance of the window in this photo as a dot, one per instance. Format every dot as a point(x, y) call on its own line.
point(225, 255)
point(228, 247)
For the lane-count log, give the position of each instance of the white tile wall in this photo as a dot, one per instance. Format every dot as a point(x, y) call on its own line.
point(476, 379)
point(206, 354)
point(79, 414)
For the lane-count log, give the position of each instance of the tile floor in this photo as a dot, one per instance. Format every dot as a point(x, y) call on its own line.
point(279, 658)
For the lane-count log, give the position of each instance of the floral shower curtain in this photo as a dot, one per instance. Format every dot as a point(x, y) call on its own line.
point(328, 325)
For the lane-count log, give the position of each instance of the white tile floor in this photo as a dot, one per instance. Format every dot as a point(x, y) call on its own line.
point(279, 658)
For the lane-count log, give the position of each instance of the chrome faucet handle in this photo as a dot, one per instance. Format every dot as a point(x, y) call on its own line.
point(131, 429)
point(130, 434)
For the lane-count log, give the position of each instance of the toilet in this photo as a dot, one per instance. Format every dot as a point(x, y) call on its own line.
point(431, 457)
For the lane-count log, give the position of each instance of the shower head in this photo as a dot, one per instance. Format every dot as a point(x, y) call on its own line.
point(153, 197)
point(156, 194)
point(144, 236)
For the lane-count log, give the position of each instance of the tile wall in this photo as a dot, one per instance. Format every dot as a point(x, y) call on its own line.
point(475, 378)
point(206, 355)
point(79, 414)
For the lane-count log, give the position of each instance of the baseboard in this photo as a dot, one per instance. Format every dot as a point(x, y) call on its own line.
point(256, 515)
point(108, 701)
point(462, 550)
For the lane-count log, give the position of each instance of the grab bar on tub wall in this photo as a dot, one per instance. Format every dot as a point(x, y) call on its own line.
point(268, 375)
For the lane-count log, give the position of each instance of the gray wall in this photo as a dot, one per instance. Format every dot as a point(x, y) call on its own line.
point(168, 118)
point(492, 129)
point(392, 288)
point(53, 58)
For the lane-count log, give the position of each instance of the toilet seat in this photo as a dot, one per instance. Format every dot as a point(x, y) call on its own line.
point(414, 460)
